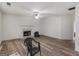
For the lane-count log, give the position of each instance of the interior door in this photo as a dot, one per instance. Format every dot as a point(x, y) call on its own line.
point(76, 28)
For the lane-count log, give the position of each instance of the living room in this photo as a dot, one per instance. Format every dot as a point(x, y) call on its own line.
point(53, 21)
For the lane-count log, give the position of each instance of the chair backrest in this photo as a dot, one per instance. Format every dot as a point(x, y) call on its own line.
point(28, 43)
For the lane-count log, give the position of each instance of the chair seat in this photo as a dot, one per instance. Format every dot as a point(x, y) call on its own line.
point(35, 50)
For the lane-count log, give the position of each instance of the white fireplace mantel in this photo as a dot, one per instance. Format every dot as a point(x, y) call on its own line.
point(27, 28)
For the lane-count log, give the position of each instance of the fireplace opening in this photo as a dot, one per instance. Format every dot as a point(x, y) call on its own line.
point(26, 33)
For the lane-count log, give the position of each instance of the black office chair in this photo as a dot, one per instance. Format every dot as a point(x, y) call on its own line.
point(32, 49)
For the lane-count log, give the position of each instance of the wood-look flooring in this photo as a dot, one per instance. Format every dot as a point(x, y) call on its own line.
point(49, 47)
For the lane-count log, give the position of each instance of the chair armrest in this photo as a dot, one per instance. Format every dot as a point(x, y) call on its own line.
point(35, 41)
point(38, 44)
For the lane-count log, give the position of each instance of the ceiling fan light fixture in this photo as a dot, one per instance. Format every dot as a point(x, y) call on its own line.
point(36, 16)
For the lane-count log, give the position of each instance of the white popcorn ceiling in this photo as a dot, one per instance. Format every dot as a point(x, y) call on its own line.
point(44, 8)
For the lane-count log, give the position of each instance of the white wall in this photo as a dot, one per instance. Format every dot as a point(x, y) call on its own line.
point(0, 26)
point(50, 26)
point(58, 26)
point(67, 26)
point(13, 25)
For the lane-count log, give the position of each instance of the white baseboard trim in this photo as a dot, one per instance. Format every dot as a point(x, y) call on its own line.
point(57, 37)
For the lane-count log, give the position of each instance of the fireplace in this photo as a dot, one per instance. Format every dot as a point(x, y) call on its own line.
point(26, 33)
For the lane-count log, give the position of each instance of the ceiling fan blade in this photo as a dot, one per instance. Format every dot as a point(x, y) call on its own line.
point(72, 8)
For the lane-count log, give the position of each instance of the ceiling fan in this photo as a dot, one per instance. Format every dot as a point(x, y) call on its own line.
point(8, 4)
point(36, 14)
point(72, 8)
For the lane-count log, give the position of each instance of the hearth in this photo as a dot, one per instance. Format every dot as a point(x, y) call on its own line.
point(26, 33)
